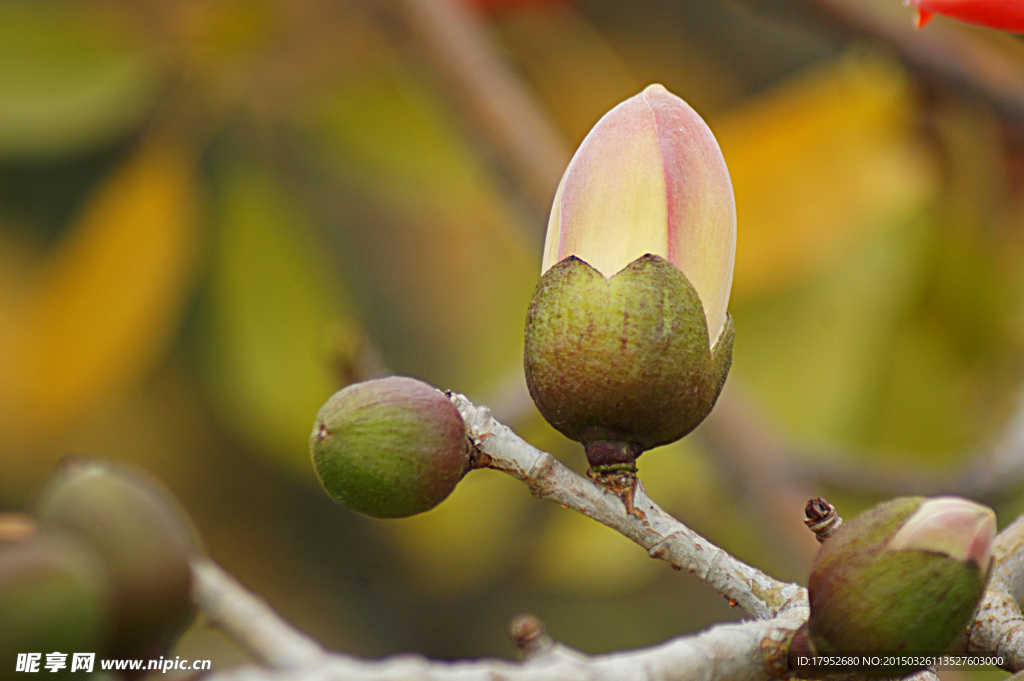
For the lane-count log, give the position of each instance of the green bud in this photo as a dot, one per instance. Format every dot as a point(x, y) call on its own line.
point(144, 541)
point(54, 596)
point(389, 448)
point(904, 577)
point(624, 359)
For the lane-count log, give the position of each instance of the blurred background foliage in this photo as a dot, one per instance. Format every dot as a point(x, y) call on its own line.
point(215, 213)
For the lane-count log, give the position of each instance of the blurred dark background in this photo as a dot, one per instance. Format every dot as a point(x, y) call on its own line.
point(215, 213)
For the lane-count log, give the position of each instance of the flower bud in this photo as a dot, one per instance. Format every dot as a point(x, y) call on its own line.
point(904, 577)
point(54, 595)
point(390, 447)
point(1007, 15)
point(628, 339)
point(143, 540)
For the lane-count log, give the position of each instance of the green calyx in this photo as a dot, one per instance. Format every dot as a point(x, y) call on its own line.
point(867, 598)
point(389, 448)
point(143, 541)
point(624, 359)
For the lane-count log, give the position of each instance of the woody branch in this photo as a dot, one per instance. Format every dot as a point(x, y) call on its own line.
point(750, 650)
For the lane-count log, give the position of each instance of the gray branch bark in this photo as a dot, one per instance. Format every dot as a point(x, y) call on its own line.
point(659, 533)
point(755, 650)
point(733, 652)
point(998, 628)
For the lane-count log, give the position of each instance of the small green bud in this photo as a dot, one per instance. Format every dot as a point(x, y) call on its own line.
point(54, 595)
point(904, 577)
point(143, 539)
point(389, 448)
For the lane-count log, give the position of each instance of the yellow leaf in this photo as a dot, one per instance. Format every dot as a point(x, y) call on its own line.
point(107, 301)
point(818, 164)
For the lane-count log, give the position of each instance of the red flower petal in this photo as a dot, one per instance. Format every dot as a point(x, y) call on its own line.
point(1007, 15)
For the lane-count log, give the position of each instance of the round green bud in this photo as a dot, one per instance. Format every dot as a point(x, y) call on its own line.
point(389, 448)
point(143, 540)
point(625, 359)
point(54, 596)
point(904, 577)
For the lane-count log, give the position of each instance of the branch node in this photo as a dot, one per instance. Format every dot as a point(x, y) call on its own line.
point(530, 636)
point(478, 459)
point(821, 518)
point(661, 551)
point(775, 651)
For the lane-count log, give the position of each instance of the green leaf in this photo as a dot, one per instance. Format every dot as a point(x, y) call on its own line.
point(272, 306)
point(68, 78)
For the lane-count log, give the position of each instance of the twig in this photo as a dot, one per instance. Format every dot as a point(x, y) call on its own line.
point(996, 470)
point(766, 463)
point(453, 43)
point(821, 518)
point(250, 621)
point(998, 627)
point(530, 636)
point(991, 473)
point(750, 651)
point(730, 652)
point(662, 535)
point(956, 57)
point(761, 464)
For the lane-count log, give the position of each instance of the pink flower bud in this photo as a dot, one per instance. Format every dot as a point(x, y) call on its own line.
point(628, 339)
point(955, 527)
point(902, 578)
point(650, 178)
